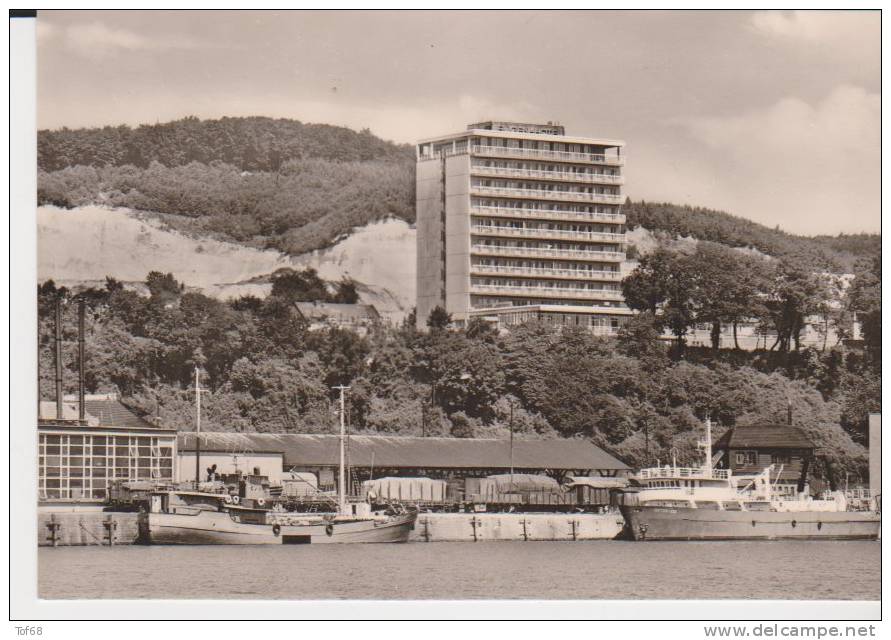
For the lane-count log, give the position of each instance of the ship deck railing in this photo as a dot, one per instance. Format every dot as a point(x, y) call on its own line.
point(683, 472)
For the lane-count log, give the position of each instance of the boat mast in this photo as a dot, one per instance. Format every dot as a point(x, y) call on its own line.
point(341, 493)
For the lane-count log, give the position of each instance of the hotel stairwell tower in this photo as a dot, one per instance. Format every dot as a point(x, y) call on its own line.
point(518, 222)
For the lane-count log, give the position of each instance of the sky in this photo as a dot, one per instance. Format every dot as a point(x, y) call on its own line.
point(773, 116)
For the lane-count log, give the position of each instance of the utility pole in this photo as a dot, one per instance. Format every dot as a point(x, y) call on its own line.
point(511, 445)
point(58, 359)
point(647, 441)
point(81, 362)
point(341, 495)
point(197, 428)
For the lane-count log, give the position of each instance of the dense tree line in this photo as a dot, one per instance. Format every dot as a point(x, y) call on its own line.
point(266, 371)
point(834, 253)
point(249, 144)
point(718, 286)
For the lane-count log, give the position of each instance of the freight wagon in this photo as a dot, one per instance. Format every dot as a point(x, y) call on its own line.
point(505, 492)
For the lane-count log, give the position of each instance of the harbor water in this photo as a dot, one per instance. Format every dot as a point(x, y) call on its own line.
point(596, 569)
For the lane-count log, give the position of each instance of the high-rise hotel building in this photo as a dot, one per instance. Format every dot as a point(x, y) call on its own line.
point(518, 222)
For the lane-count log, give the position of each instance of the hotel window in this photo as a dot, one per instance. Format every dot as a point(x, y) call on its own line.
point(746, 457)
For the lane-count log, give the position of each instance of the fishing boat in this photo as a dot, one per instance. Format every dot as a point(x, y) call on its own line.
point(203, 517)
point(184, 517)
point(703, 503)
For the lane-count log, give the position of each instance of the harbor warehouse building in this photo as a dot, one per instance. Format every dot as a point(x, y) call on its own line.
point(520, 221)
point(81, 452)
point(379, 456)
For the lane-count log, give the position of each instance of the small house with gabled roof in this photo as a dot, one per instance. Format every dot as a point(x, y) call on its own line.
point(749, 449)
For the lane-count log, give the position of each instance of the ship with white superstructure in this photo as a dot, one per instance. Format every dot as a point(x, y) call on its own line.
point(704, 503)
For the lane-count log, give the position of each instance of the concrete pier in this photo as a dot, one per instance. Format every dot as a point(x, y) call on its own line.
point(63, 528)
point(479, 527)
point(95, 527)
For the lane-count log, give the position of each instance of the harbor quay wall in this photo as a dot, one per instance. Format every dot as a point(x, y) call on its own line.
point(85, 527)
point(480, 527)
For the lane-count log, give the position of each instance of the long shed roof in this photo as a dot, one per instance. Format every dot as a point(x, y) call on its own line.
point(411, 452)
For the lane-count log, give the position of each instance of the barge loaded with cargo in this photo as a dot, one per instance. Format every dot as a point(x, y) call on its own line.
point(703, 503)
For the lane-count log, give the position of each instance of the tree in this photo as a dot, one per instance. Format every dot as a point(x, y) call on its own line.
point(342, 353)
point(663, 284)
point(247, 303)
point(645, 288)
point(113, 285)
point(161, 285)
point(865, 299)
point(464, 375)
point(299, 286)
point(796, 292)
point(439, 319)
point(835, 313)
point(639, 338)
point(862, 396)
point(462, 425)
point(728, 286)
point(346, 292)
point(481, 329)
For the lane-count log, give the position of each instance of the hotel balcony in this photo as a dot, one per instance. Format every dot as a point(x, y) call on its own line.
point(542, 154)
point(543, 272)
point(547, 292)
point(547, 214)
point(544, 252)
point(559, 234)
point(543, 194)
point(562, 176)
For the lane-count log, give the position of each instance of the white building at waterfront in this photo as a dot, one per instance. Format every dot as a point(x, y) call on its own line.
point(518, 222)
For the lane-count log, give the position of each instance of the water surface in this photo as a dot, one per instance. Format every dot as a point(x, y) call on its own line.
point(601, 569)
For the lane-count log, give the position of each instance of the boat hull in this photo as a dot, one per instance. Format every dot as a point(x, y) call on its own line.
point(209, 527)
point(684, 523)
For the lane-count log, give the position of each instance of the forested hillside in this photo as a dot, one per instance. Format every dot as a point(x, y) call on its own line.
point(267, 372)
point(249, 144)
point(275, 184)
point(294, 187)
point(836, 253)
point(306, 205)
